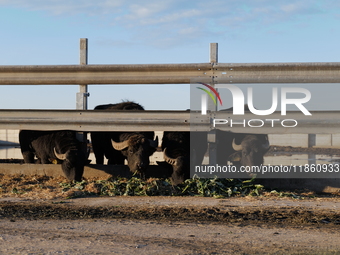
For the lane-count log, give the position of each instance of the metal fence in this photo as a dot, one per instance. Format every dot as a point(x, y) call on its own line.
point(171, 73)
point(212, 72)
point(325, 122)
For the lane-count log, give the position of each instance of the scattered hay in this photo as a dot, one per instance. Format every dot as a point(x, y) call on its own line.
point(47, 187)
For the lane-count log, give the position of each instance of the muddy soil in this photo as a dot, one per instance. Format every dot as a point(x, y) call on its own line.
point(224, 211)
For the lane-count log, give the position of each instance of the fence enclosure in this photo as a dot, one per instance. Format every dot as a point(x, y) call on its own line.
point(323, 122)
point(83, 120)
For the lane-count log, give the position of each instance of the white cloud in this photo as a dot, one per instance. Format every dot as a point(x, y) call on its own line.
point(175, 17)
point(291, 7)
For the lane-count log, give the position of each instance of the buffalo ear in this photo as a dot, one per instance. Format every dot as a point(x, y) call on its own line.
point(235, 157)
point(154, 143)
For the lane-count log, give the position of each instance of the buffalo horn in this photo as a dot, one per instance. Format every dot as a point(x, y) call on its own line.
point(236, 147)
point(59, 156)
point(171, 161)
point(154, 143)
point(120, 145)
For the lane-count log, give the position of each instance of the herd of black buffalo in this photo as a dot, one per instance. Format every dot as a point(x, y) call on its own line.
point(180, 149)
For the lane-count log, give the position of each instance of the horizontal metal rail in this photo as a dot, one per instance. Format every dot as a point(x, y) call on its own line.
point(171, 73)
point(320, 122)
point(105, 74)
point(278, 73)
point(323, 122)
point(82, 120)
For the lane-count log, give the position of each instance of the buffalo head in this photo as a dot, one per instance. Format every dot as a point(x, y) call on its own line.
point(250, 150)
point(73, 162)
point(137, 149)
point(180, 167)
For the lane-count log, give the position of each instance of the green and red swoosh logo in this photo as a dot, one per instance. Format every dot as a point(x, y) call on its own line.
point(211, 94)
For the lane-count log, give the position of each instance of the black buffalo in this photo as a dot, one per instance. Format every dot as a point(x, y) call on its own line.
point(180, 154)
point(241, 148)
point(54, 146)
point(135, 147)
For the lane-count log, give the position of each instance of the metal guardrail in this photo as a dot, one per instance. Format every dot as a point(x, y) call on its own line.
point(277, 73)
point(321, 122)
point(212, 72)
point(105, 74)
point(324, 122)
point(93, 120)
point(171, 73)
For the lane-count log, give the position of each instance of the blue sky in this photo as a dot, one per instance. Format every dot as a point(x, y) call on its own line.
point(47, 32)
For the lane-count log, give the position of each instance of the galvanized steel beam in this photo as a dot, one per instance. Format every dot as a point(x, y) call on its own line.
point(93, 120)
point(278, 73)
point(325, 122)
point(105, 74)
point(171, 73)
point(320, 122)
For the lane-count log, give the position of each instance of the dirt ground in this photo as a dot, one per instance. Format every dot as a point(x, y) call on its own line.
point(37, 216)
point(170, 225)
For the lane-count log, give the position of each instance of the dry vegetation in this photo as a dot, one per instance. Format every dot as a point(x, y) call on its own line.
point(46, 187)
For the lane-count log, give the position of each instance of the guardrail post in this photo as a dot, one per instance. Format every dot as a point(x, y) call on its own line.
point(212, 146)
point(311, 140)
point(83, 94)
point(213, 53)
